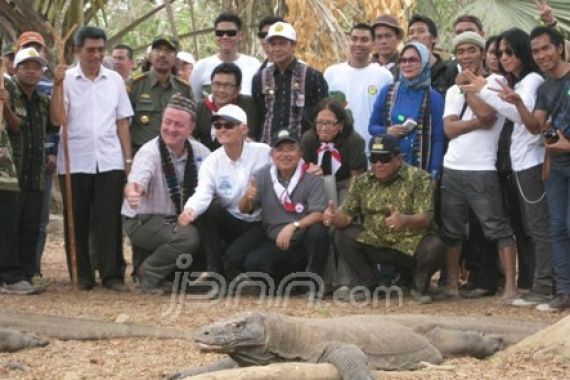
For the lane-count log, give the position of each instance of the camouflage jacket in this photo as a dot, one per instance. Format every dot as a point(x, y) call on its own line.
point(410, 192)
point(8, 175)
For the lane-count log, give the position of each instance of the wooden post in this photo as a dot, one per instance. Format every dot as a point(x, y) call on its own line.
point(72, 248)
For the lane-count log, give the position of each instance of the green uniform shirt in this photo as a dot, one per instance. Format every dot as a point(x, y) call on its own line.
point(410, 192)
point(8, 175)
point(149, 99)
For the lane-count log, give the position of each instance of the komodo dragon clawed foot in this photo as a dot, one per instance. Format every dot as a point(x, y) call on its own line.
point(349, 360)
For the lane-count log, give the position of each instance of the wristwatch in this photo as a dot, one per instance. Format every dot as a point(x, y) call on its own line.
point(297, 225)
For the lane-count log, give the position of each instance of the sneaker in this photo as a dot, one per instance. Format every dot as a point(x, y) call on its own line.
point(20, 288)
point(117, 286)
point(559, 303)
point(531, 298)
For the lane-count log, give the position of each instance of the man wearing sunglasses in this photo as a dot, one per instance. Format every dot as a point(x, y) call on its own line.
point(395, 201)
point(150, 92)
point(225, 176)
point(228, 35)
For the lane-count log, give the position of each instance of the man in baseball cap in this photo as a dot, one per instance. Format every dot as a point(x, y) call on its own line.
point(184, 64)
point(30, 37)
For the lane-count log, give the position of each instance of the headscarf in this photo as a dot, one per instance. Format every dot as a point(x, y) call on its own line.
point(422, 81)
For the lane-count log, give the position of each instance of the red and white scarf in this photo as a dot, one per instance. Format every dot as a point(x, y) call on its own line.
point(284, 194)
point(336, 159)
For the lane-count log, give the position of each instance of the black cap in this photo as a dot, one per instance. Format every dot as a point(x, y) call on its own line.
point(170, 41)
point(384, 144)
point(283, 135)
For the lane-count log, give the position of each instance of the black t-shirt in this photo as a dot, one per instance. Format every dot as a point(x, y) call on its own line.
point(553, 97)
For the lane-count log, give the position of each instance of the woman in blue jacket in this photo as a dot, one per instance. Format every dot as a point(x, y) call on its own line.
point(413, 111)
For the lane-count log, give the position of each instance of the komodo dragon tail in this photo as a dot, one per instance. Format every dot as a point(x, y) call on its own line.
point(66, 328)
point(511, 330)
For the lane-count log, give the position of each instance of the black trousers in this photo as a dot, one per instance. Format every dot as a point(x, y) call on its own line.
point(10, 266)
point(221, 232)
point(30, 214)
point(308, 253)
point(361, 258)
point(97, 199)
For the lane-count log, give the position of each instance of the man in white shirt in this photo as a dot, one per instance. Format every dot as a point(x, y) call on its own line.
point(359, 80)
point(225, 175)
point(164, 175)
point(97, 108)
point(469, 174)
point(228, 34)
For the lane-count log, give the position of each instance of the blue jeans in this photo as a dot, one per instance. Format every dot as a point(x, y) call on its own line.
point(558, 196)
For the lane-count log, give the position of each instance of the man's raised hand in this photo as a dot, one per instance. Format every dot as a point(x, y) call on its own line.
point(133, 193)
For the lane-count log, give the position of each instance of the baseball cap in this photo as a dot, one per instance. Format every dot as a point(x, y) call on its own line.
point(170, 41)
point(391, 22)
point(29, 54)
point(282, 136)
point(282, 29)
point(384, 144)
point(28, 37)
point(185, 56)
point(231, 113)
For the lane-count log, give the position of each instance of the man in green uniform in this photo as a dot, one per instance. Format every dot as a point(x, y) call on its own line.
point(150, 92)
point(395, 201)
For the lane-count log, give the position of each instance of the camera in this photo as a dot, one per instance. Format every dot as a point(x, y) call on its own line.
point(550, 135)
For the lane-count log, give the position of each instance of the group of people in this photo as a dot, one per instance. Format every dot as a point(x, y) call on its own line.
point(383, 170)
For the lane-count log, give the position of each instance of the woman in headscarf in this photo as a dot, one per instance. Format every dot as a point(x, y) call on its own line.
point(333, 147)
point(413, 111)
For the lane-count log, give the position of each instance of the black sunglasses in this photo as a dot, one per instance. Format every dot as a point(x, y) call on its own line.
point(229, 33)
point(220, 125)
point(382, 157)
point(261, 35)
point(507, 51)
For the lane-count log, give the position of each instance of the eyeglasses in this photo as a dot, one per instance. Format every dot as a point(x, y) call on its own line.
point(325, 123)
point(410, 60)
point(222, 85)
point(380, 157)
point(506, 51)
point(261, 35)
point(220, 125)
point(229, 33)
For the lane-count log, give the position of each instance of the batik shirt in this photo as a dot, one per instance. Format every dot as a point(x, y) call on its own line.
point(8, 175)
point(410, 192)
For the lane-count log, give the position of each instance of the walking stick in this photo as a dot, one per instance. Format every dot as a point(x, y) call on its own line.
point(59, 44)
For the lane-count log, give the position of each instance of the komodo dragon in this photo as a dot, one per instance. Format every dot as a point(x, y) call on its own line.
point(354, 344)
point(13, 324)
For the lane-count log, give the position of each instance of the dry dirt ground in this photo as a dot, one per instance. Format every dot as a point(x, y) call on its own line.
point(147, 358)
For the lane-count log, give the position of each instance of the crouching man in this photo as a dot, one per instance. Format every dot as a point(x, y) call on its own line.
point(395, 201)
point(163, 176)
point(292, 202)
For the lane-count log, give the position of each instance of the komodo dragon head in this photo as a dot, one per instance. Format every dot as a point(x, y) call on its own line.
point(246, 330)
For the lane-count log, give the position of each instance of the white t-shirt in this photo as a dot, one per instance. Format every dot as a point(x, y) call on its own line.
point(527, 150)
point(200, 78)
point(228, 180)
point(476, 150)
point(360, 87)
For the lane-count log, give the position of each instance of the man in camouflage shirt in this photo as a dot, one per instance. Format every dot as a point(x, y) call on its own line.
point(27, 115)
point(395, 200)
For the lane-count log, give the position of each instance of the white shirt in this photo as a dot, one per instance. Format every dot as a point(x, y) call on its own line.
point(360, 87)
point(228, 180)
point(527, 150)
point(476, 150)
point(204, 67)
point(93, 108)
point(147, 172)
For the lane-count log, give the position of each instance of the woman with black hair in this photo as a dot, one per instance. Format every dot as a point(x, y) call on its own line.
point(333, 147)
point(526, 151)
